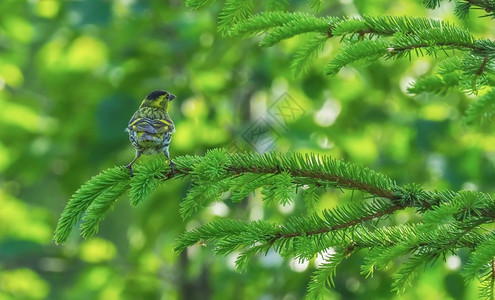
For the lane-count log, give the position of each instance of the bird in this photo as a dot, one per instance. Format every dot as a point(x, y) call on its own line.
point(150, 128)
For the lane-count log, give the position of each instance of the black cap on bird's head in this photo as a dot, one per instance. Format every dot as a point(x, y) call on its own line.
point(158, 99)
point(157, 94)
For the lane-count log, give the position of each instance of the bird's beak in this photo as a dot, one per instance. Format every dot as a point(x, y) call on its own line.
point(171, 97)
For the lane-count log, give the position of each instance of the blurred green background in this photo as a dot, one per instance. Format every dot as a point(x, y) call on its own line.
point(73, 72)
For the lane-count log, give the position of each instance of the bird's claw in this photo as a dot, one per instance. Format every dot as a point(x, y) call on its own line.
point(172, 169)
point(129, 167)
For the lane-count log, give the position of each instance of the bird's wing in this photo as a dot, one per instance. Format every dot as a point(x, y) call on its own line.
point(142, 125)
point(162, 125)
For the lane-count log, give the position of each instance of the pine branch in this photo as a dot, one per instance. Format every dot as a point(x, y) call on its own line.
point(99, 208)
point(240, 170)
point(432, 4)
point(147, 179)
point(340, 219)
point(234, 11)
point(431, 40)
point(462, 7)
point(198, 3)
point(263, 22)
point(366, 51)
point(480, 258)
point(294, 28)
point(217, 172)
point(317, 5)
point(324, 276)
point(409, 270)
point(487, 279)
point(391, 37)
point(272, 5)
point(450, 219)
point(435, 84)
point(408, 35)
point(475, 72)
point(449, 76)
point(380, 257)
point(333, 227)
point(482, 110)
point(388, 25)
point(99, 185)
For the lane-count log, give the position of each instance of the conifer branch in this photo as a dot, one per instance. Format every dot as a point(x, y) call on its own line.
point(450, 220)
point(324, 275)
point(482, 110)
point(462, 7)
point(234, 11)
point(307, 54)
point(390, 210)
point(371, 38)
point(448, 76)
point(279, 5)
point(198, 3)
point(99, 187)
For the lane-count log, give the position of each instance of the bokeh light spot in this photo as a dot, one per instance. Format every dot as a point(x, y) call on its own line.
point(97, 250)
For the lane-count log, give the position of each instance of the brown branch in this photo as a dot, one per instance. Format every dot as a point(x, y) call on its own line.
point(379, 214)
point(338, 180)
point(482, 66)
point(298, 173)
point(483, 4)
point(424, 45)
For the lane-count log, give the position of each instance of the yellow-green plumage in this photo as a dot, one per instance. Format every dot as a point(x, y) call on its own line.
point(150, 128)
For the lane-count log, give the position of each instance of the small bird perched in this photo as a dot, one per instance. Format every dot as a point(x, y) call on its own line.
point(150, 128)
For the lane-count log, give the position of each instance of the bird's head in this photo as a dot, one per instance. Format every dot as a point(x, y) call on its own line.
point(158, 99)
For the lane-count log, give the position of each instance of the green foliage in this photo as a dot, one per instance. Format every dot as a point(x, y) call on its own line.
point(281, 23)
point(482, 265)
point(101, 191)
point(448, 77)
point(307, 54)
point(293, 28)
point(60, 59)
point(487, 288)
point(450, 219)
point(277, 4)
point(324, 276)
point(317, 5)
point(198, 3)
point(481, 111)
point(147, 179)
point(409, 270)
point(371, 38)
point(481, 257)
point(241, 174)
point(233, 11)
point(475, 70)
point(98, 195)
point(216, 173)
point(367, 51)
point(435, 84)
point(462, 7)
point(431, 4)
point(98, 209)
point(409, 34)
